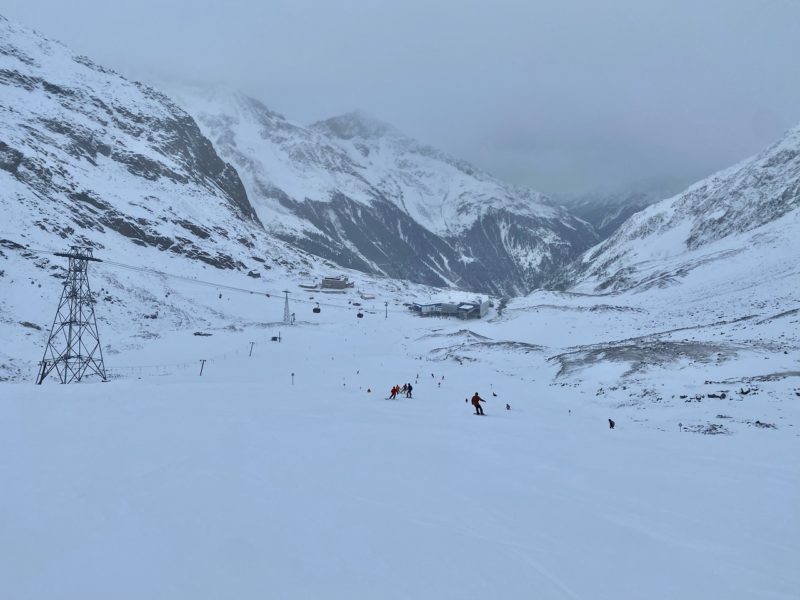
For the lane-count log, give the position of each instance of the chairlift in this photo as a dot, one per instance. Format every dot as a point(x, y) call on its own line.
point(317, 309)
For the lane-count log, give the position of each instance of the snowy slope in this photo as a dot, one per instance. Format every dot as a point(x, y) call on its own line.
point(746, 205)
point(288, 473)
point(87, 156)
point(362, 194)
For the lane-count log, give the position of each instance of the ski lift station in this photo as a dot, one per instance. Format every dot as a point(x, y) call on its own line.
point(335, 283)
point(461, 310)
point(338, 284)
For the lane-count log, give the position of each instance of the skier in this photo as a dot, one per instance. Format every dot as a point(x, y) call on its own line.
point(393, 393)
point(476, 402)
point(404, 389)
point(408, 390)
point(611, 424)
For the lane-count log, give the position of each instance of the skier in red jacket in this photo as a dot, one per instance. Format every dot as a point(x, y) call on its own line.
point(476, 402)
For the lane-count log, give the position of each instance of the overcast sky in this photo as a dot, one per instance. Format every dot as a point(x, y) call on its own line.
point(562, 95)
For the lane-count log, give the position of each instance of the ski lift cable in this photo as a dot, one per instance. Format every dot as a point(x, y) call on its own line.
point(271, 294)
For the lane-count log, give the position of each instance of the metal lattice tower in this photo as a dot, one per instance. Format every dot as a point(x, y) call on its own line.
point(73, 348)
point(287, 316)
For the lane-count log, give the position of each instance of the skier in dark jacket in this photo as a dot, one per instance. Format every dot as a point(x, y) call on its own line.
point(476, 402)
point(409, 388)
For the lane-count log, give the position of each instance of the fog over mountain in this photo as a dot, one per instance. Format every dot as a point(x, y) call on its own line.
point(262, 276)
point(564, 96)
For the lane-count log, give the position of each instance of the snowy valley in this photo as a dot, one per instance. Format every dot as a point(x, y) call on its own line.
point(284, 471)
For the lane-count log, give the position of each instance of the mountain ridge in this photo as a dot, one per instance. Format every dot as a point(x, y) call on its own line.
point(731, 206)
point(358, 191)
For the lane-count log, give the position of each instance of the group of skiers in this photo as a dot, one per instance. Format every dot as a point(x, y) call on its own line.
point(406, 390)
point(476, 400)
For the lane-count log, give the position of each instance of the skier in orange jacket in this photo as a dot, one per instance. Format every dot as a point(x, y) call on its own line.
point(476, 402)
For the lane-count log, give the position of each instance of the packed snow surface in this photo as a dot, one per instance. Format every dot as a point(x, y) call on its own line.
point(287, 473)
point(281, 475)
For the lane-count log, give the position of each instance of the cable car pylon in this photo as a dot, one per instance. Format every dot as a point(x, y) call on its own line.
point(73, 347)
point(287, 315)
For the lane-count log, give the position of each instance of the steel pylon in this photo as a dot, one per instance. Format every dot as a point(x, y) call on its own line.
point(287, 316)
point(73, 348)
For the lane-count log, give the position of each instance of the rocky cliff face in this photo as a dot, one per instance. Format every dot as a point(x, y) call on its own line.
point(746, 205)
point(84, 152)
point(360, 193)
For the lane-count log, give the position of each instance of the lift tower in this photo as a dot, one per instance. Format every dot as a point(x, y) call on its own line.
point(73, 348)
point(287, 316)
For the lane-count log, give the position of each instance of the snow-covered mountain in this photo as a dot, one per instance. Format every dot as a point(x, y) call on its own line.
point(87, 156)
point(748, 209)
point(284, 471)
point(360, 193)
point(607, 211)
point(85, 152)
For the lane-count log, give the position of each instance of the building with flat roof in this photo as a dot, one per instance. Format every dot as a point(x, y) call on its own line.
point(336, 283)
point(461, 310)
